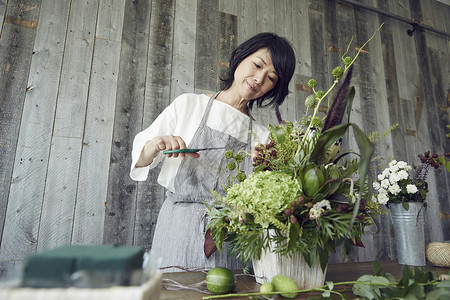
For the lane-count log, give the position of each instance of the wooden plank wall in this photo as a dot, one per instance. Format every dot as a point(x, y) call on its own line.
point(78, 80)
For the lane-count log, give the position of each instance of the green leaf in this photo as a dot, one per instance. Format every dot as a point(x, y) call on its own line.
point(447, 166)
point(280, 136)
point(330, 285)
point(326, 294)
point(406, 276)
point(444, 284)
point(327, 139)
point(377, 268)
point(415, 291)
point(366, 149)
point(438, 294)
point(405, 205)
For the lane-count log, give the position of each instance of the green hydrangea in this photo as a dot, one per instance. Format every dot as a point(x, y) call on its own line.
point(264, 194)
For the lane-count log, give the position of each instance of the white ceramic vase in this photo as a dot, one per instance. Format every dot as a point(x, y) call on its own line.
point(294, 266)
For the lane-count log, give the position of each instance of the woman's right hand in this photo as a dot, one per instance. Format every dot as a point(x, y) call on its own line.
point(161, 143)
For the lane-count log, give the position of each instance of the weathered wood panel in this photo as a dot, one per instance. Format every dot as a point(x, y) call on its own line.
point(118, 64)
point(22, 221)
point(2, 13)
point(207, 32)
point(16, 48)
point(64, 162)
point(184, 47)
point(157, 96)
point(121, 200)
point(98, 131)
point(227, 43)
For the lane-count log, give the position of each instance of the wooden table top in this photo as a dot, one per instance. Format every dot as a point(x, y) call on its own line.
point(247, 284)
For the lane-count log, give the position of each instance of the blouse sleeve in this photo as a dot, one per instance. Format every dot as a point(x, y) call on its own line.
point(164, 124)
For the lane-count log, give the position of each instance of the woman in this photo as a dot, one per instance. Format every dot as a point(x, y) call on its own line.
point(260, 70)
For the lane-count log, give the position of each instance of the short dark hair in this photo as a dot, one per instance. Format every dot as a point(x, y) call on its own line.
point(283, 59)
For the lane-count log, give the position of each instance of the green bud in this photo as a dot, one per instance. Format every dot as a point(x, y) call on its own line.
point(228, 154)
point(311, 181)
point(317, 122)
point(348, 60)
point(241, 176)
point(319, 94)
point(238, 158)
point(310, 101)
point(231, 166)
point(312, 83)
point(338, 72)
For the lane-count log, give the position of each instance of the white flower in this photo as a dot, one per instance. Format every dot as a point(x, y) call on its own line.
point(383, 198)
point(376, 185)
point(402, 164)
point(316, 211)
point(392, 163)
point(381, 176)
point(411, 189)
point(385, 183)
point(323, 203)
point(394, 189)
point(382, 191)
point(402, 174)
point(394, 178)
point(393, 168)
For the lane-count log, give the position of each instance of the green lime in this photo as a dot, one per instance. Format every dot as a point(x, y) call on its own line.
point(220, 280)
point(266, 287)
point(285, 285)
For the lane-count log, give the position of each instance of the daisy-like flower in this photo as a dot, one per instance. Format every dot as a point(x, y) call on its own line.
point(411, 189)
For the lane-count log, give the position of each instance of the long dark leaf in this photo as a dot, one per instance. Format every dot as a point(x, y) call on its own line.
point(327, 139)
point(366, 149)
point(337, 109)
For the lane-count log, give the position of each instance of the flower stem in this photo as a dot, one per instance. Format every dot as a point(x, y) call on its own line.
point(323, 288)
point(316, 110)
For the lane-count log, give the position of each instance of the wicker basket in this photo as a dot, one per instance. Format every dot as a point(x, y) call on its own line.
point(439, 254)
point(150, 290)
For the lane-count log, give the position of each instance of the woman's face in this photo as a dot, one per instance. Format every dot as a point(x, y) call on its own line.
point(255, 75)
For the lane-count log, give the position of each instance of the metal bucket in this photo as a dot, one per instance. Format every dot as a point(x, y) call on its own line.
point(409, 233)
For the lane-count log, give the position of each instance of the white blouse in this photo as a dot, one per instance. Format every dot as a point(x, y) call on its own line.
point(182, 118)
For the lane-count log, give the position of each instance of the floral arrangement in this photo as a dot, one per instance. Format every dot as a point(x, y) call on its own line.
point(305, 194)
point(401, 183)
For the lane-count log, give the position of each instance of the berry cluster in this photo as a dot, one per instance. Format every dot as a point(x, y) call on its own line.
point(265, 153)
point(433, 159)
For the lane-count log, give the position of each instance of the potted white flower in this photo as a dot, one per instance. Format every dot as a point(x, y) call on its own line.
point(403, 189)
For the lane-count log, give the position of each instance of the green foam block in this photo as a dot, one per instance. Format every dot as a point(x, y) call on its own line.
point(107, 265)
